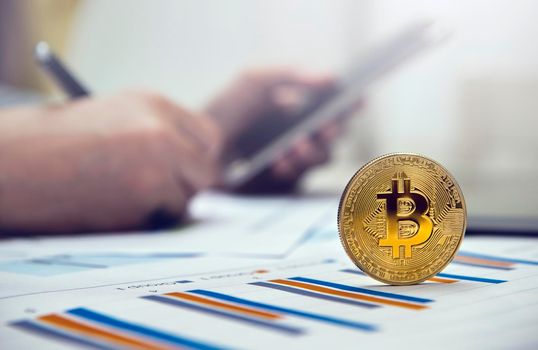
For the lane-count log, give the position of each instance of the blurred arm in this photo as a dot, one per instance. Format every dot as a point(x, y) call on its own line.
point(117, 163)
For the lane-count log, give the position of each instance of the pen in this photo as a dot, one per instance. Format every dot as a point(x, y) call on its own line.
point(59, 73)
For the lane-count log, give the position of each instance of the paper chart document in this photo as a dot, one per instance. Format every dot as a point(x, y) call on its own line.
point(306, 296)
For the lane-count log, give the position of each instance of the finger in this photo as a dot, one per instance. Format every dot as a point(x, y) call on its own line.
point(308, 152)
point(329, 133)
point(199, 172)
point(192, 164)
point(290, 99)
point(277, 76)
point(191, 169)
point(295, 168)
point(199, 130)
point(300, 89)
point(312, 80)
point(284, 169)
point(303, 155)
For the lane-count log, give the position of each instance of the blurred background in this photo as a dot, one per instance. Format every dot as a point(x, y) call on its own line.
point(471, 104)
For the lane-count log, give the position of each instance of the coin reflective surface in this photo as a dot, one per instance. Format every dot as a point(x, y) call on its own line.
point(402, 218)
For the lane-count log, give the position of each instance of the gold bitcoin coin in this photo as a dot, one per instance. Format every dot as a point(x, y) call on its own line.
point(401, 218)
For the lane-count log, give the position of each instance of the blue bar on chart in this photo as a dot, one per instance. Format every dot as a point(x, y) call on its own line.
point(336, 292)
point(276, 284)
point(361, 326)
point(444, 277)
point(243, 314)
point(87, 327)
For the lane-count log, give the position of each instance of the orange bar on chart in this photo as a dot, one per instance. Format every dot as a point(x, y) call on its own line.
point(350, 294)
point(230, 307)
point(442, 280)
point(97, 333)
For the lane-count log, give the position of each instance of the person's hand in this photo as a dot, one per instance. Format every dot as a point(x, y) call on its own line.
point(118, 163)
point(275, 94)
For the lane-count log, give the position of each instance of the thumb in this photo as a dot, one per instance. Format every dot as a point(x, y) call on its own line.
point(300, 89)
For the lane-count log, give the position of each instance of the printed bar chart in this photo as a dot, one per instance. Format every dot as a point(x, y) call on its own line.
point(317, 294)
point(288, 311)
point(86, 327)
point(309, 301)
point(343, 293)
point(226, 310)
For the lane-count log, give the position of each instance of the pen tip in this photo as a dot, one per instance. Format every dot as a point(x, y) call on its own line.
point(42, 51)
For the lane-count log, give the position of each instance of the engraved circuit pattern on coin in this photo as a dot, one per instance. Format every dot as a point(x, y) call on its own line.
point(402, 218)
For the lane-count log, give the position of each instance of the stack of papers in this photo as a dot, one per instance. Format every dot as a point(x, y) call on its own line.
point(257, 273)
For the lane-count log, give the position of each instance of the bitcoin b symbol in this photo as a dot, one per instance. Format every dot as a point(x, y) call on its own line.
point(407, 224)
